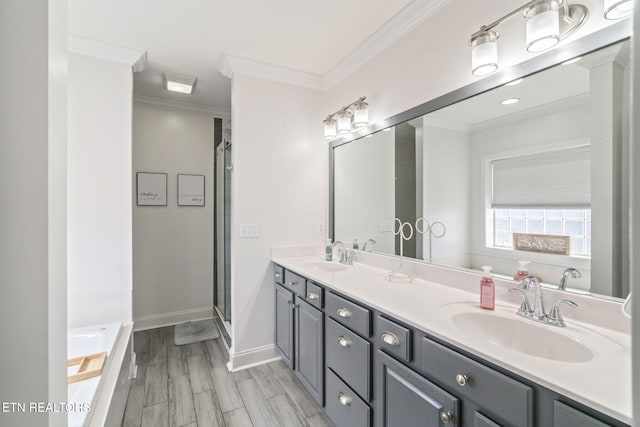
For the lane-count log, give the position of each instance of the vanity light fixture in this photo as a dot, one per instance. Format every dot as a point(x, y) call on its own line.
point(509, 101)
point(547, 22)
point(617, 9)
point(343, 121)
point(179, 83)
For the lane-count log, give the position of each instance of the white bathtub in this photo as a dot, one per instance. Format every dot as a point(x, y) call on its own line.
point(85, 341)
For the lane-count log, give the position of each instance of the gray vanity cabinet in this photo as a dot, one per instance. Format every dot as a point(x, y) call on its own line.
point(309, 348)
point(284, 324)
point(404, 398)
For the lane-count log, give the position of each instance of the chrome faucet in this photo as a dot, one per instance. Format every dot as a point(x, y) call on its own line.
point(346, 255)
point(565, 276)
point(538, 313)
point(372, 241)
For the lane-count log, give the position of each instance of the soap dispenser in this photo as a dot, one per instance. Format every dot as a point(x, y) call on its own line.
point(523, 271)
point(487, 289)
point(355, 243)
point(328, 251)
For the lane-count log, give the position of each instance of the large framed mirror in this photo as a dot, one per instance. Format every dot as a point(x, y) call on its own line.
point(530, 164)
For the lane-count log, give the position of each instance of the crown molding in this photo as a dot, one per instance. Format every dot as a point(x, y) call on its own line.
point(412, 15)
point(136, 58)
point(165, 104)
point(234, 65)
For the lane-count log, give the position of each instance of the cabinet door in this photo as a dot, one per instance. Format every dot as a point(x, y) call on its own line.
point(566, 416)
point(284, 324)
point(404, 398)
point(309, 327)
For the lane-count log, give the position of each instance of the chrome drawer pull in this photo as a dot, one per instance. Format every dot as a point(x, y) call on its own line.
point(292, 283)
point(446, 416)
point(312, 295)
point(390, 339)
point(462, 380)
point(343, 341)
point(277, 275)
point(344, 400)
point(343, 312)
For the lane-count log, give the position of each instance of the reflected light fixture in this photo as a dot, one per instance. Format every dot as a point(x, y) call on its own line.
point(343, 121)
point(179, 83)
point(618, 9)
point(547, 22)
point(509, 101)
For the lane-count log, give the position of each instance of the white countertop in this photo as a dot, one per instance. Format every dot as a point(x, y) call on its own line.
point(602, 383)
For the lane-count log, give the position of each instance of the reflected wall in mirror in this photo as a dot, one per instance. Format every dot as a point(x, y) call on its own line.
point(551, 164)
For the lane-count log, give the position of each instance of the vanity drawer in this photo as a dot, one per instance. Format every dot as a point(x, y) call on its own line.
point(314, 294)
point(393, 338)
point(294, 283)
point(349, 356)
point(343, 406)
point(505, 399)
point(278, 274)
point(349, 314)
point(480, 420)
point(566, 416)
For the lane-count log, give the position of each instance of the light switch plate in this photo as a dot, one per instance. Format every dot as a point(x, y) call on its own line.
point(249, 231)
point(320, 228)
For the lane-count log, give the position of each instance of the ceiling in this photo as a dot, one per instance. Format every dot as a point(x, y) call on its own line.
point(192, 36)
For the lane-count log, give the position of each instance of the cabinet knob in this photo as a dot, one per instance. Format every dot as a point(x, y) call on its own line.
point(343, 312)
point(390, 338)
point(277, 275)
point(312, 295)
point(446, 416)
point(344, 399)
point(343, 341)
point(292, 283)
point(462, 380)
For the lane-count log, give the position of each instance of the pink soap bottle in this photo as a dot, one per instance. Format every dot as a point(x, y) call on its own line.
point(487, 289)
point(523, 271)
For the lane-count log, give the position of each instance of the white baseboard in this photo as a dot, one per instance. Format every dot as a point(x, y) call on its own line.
point(168, 319)
point(253, 357)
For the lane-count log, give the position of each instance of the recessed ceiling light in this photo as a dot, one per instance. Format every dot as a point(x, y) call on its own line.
point(509, 101)
point(572, 61)
point(179, 83)
point(515, 82)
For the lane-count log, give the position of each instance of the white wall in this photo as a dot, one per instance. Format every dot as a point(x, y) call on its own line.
point(364, 196)
point(446, 194)
point(172, 246)
point(33, 112)
point(280, 182)
point(99, 191)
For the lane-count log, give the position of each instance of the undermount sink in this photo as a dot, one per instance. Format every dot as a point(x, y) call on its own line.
point(326, 266)
point(521, 335)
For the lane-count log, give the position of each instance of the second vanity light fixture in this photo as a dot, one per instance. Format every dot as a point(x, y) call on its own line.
point(547, 22)
point(354, 115)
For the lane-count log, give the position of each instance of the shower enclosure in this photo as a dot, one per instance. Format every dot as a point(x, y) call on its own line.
point(222, 280)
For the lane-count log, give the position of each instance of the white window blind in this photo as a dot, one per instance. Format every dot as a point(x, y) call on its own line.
point(559, 178)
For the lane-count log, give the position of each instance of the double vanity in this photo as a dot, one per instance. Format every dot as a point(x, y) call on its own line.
point(375, 352)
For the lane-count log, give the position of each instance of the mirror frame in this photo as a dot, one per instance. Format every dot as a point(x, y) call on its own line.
point(589, 43)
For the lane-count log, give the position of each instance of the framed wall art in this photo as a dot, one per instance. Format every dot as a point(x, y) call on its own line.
point(151, 189)
point(190, 190)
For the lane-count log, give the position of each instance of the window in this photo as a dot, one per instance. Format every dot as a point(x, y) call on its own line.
point(542, 193)
point(575, 223)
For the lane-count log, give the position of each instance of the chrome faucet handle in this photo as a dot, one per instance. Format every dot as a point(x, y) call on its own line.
point(555, 317)
point(525, 307)
point(526, 282)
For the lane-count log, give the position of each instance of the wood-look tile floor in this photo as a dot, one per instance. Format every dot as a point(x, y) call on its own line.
point(190, 386)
